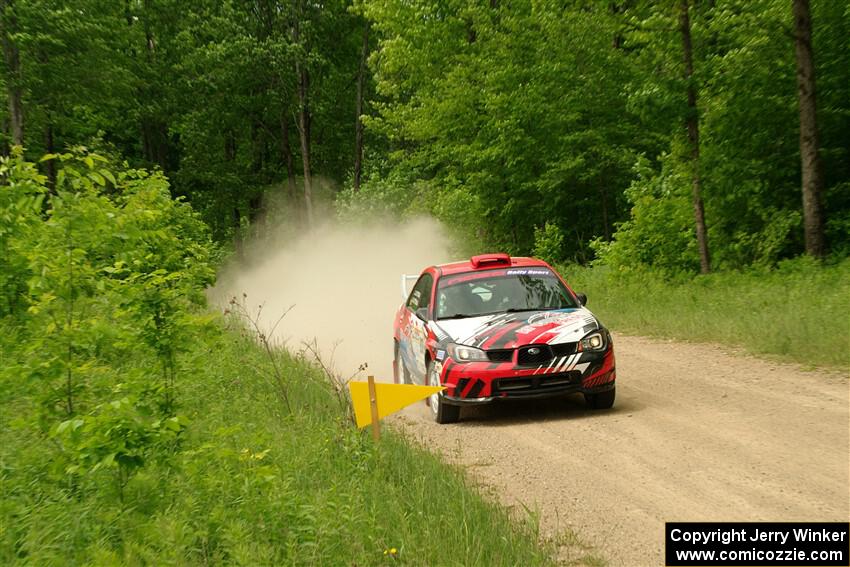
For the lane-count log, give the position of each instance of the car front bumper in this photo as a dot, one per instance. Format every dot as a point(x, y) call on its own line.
point(484, 382)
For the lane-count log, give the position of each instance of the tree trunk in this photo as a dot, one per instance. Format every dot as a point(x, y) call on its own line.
point(256, 134)
point(50, 147)
point(617, 41)
point(304, 118)
point(154, 128)
point(606, 226)
point(358, 125)
point(4, 143)
point(237, 232)
point(236, 215)
point(12, 59)
point(692, 123)
point(812, 177)
point(155, 141)
point(286, 151)
point(257, 216)
point(229, 145)
point(304, 132)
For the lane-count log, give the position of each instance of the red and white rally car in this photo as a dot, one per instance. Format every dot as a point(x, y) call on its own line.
point(497, 327)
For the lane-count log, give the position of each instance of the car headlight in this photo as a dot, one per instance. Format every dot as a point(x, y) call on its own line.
point(593, 342)
point(462, 353)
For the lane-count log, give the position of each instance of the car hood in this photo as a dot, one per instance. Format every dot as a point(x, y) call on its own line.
point(511, 330)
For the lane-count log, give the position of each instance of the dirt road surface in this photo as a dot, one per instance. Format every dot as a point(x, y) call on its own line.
point(696, 434)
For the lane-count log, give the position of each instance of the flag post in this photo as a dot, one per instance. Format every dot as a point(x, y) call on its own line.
point(373, 403)
point(364, 400)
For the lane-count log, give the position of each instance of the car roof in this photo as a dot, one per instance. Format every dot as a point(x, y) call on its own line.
point(472, 265)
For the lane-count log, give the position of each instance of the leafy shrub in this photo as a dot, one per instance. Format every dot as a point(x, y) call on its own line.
point(660, 231)
point(549, 243)
point(103, 269)
point(22, 191)
point(118, 435)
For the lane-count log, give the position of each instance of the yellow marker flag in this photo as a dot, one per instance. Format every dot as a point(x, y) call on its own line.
point(390, 398)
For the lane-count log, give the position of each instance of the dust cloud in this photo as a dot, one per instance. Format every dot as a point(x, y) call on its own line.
point(343, 284)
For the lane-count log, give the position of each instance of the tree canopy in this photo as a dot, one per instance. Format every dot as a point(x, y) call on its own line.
point(565, 126)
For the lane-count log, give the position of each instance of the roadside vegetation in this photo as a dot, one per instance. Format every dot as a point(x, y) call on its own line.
point(644, 138)
point(137, 428)
point(797, 311)
point(244, 482)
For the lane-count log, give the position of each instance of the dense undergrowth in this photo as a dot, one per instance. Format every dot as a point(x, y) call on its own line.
point(248, 483)
point(137, 428)
point(797, 310)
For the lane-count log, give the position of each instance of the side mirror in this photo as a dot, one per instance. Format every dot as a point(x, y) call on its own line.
point(422, 313)
point(582, 298)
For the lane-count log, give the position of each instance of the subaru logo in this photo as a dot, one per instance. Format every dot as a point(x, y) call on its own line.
point(533, 351)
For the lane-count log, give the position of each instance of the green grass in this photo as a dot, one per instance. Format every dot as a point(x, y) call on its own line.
point(250, 484)
point(799, 311)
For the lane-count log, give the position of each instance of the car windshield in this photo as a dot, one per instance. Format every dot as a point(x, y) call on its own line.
point(498, 291)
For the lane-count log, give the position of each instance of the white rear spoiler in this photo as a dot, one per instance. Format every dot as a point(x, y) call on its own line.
point(404, 279)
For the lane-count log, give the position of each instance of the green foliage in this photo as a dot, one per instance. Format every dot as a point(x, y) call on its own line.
point(497, 118)
point(245, 483)
point(117, 436)
point(479, 108)
point(390, 194)
point(108, 269)
point(777, 311)
point(548, 243)
point(660, 230)
point(534, 113)
point(114, 262)
point(21, 198)
point(200, 90)
point(251, 458)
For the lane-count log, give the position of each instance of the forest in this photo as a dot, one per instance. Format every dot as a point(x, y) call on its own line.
point(683, 136)
point(695, 153)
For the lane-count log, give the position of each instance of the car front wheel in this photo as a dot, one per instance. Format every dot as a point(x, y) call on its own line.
point(602, 400)
point(440, 410)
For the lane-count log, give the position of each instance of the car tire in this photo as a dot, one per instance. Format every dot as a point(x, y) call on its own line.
point(441, 411)
point(602, 400)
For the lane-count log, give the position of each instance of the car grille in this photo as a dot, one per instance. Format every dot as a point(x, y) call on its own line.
point(500, 355)
point(530, 385)
point(564, 349)
point(547, 353)
point(533, 355)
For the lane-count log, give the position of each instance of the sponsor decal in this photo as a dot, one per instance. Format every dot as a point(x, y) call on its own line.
point(560, 317)
point(464, 277)
point(511, 330)
point(465, 330)
point(441, 355)
point(553, 318)
point(438, 332)
point(529, 272)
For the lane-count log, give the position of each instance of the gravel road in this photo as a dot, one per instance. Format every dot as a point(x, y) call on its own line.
point(696, 434)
